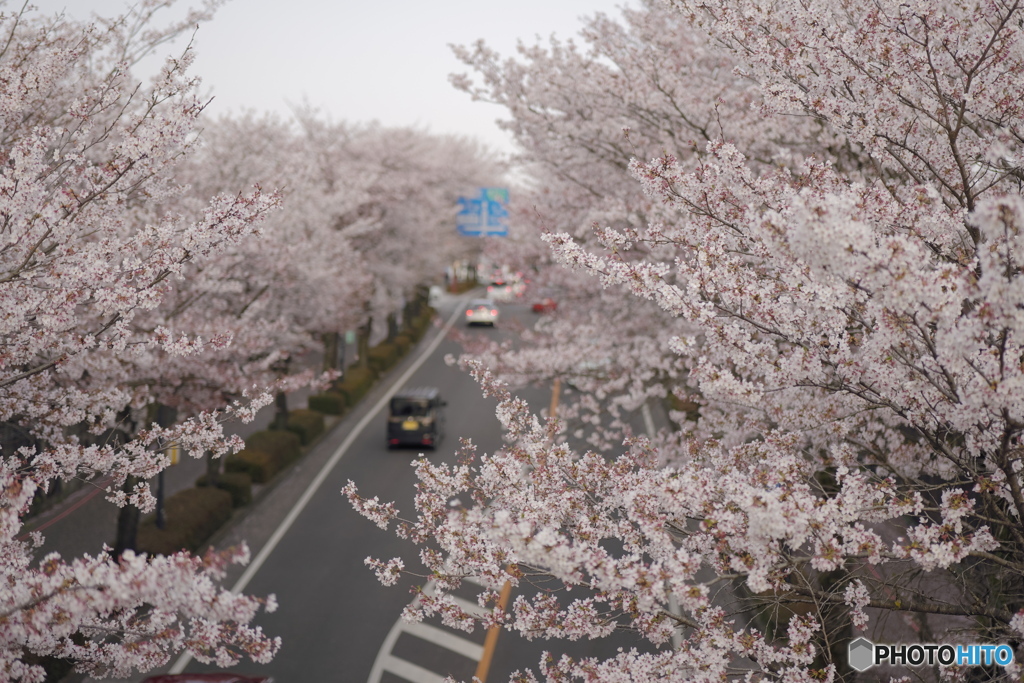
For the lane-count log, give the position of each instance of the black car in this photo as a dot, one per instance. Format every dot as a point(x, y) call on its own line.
point(415, 418)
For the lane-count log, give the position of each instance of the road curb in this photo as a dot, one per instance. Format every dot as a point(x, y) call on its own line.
point(332, 423)
point(367, 408)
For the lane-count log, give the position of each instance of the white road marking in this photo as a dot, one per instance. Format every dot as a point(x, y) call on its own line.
point(388, 662)
point(411, 672)
point(645, 410)
point(286, 523)
point(446, 639)
point(469, 607)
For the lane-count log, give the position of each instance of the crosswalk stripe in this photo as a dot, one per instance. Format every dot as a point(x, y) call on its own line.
point(469, 607)
point(410, 671)
point(396, 665)
point(450, 641)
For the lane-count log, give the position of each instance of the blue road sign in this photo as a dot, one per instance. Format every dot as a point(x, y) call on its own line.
point(485, 215)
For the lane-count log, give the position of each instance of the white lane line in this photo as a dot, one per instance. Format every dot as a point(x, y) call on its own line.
point(410, 671)
point(446, 639)
point(645, 410)
point(287, 522)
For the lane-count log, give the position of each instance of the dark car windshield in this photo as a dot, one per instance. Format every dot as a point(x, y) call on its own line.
point(410, 407)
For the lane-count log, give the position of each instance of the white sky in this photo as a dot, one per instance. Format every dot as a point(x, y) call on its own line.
point(361, 60)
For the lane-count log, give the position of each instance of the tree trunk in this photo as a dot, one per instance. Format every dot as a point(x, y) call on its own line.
point(332, 351)
point(127, 522)
point(212, 469)
point(363, 342)
point(413, 306)
point(838, 625)
point(281, 405)
point(835, 619)
point(128, 516)
point(281, 399)
point(392, 326)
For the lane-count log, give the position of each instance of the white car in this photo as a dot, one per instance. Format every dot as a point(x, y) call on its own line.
point(505, 291)
point(482, 312)
point(499, 291)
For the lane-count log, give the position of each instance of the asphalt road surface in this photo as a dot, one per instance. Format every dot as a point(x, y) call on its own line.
point(336, 621)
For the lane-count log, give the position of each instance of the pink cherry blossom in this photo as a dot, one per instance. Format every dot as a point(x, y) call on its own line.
point(802, 220)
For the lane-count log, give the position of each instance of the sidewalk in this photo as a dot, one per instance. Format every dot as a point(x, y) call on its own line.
point(84, 521)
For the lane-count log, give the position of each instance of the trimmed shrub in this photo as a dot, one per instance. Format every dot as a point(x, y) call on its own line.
point(383, 356)
point(356, 382)
point(193, 516)
point(328, 403)
point(419, 325)
point(238, 484)
point(284, 446)
point(462, 286)
point(259, 466)
point(308, 424)
point(403, 342)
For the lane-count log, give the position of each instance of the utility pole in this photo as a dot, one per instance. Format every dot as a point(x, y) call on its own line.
point(556, 392)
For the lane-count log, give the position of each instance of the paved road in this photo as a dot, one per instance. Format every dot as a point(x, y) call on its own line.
point(335, 619)
point(334, 615)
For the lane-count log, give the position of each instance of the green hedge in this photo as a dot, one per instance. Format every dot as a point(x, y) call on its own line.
point(328, 403)
point(356, 382)
point(419, 325)
point(462, 286)
point(403, 342)
point(284, 446)
point(193, 516)
point(259, 466)
point(265, 454)
point(238, 484)
point(308, 424)
point(383, 357)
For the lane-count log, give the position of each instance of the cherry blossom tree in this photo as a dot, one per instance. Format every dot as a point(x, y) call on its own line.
point(302, 283)
point(844, 299)
point(579, 116)
point(125, 287)
point(393, 193)
point(87, 257)
point(365, 217)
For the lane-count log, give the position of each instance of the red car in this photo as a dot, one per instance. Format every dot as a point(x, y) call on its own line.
point(207, 678)
point(546, 305)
